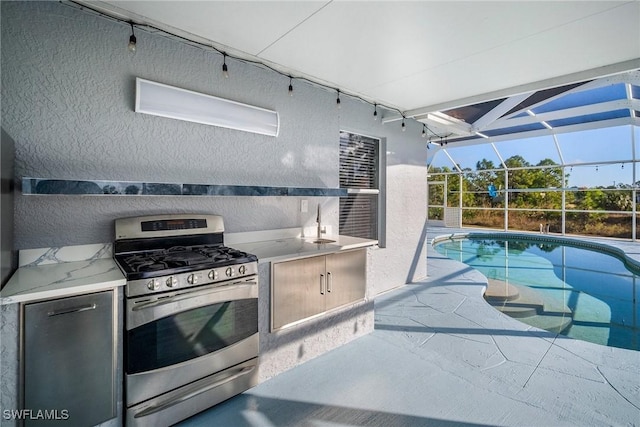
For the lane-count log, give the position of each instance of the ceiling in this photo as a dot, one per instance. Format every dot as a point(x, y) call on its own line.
point(425, 59)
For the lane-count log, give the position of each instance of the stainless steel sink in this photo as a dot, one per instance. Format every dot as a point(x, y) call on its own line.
point(319, 241)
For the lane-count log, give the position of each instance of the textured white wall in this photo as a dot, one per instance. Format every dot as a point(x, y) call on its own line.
point(68, 89)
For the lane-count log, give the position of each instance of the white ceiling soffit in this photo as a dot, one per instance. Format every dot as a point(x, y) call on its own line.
point(416, 56)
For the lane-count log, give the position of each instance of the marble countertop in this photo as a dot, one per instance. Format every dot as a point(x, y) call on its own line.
point(38, 281)
point(300, 247)
point(62, 279)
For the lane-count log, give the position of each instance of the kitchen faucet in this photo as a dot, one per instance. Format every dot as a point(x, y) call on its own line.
point(319, 221)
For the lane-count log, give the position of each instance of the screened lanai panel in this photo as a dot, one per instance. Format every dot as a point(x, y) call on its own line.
point(543, 95)
point(636, 138)
point(476, 189)
point(440, 161)
point(515, 130)
point(589, 118)
point(536, 188)
point(599, 224)
point(471, 113)
point(533, 150)
point(493, 218)
point(599, 200)
point(596, 145)
point(475, 157)
point(602, 176)
point(582, 98)
point(535, 220)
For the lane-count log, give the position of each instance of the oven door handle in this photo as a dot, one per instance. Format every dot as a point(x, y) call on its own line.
point(149, 311)
point(189, 295)
point(190, 394)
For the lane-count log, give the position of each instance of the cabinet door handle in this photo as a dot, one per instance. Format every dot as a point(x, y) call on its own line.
point(72, 310)
point(322, 284)
point(329, 282)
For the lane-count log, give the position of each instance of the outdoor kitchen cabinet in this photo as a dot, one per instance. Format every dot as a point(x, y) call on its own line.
point(310, 286)
point(345, 278)
point(69, 359)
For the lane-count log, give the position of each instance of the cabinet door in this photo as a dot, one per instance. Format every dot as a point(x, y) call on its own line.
point(346, 278)
point(69, 359)
point(297, 290)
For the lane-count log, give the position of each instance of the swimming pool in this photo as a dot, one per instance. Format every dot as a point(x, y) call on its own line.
point(584, 291)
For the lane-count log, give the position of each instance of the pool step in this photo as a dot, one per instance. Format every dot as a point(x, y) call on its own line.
point(526, 305)
point(514, 301)
point(500, 291)
point(553, 323)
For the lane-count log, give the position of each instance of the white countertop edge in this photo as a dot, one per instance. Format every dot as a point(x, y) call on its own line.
point(59, 280)
point(38, 295)
point(287, 249)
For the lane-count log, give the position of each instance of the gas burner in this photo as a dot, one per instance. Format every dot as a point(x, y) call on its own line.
point(221, 253)
point(172, 252)
point(185, 257)
point(179, 259)
point(151, 266)
point(141, 262)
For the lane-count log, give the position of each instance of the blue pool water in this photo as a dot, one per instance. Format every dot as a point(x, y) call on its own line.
point(600, 292)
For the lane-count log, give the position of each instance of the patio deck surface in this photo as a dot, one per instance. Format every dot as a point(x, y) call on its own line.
point(441, 356)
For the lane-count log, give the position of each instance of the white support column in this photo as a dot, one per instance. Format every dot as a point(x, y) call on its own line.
point(506, 200)
point(634, 191)
point(563, 217)
point(446, 188)
point(460, 202)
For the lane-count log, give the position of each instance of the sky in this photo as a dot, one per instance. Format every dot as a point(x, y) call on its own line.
point(598, 145)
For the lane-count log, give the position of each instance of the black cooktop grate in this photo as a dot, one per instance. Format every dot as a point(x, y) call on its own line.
point(179, 259)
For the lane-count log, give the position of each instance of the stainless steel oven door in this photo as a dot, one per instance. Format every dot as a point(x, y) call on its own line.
point(174, 339)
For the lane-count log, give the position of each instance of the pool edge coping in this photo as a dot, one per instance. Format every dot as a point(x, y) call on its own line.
point(546, 238)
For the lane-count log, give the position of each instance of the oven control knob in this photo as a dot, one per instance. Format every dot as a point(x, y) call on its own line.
point(153, 285)
point(242, 270)
point(172, 281)
point(230, 272)
point(192, 279)
point(213, 275)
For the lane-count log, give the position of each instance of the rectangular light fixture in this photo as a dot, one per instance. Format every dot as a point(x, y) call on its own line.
point(163, 100)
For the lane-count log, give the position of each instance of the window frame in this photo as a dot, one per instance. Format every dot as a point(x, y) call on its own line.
point(381, 183)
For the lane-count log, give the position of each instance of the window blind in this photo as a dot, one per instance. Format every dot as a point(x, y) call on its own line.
point(359, 164)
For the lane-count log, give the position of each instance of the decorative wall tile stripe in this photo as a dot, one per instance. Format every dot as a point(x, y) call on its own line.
point(39, 186)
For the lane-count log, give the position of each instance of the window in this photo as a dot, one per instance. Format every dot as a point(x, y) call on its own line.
point(360, 175)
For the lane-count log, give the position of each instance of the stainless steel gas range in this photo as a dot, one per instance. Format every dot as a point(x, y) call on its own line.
point(191, 316)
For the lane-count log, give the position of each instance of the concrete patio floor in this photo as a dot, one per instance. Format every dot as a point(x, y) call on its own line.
point(441, 356)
